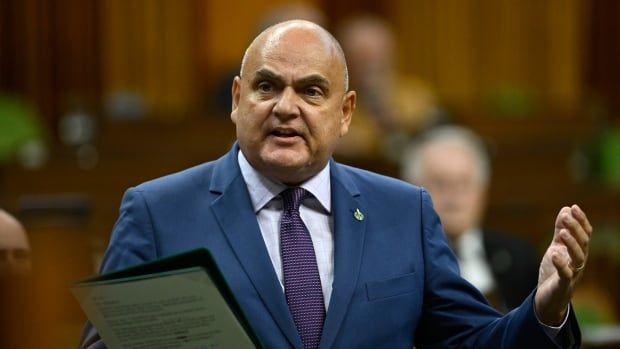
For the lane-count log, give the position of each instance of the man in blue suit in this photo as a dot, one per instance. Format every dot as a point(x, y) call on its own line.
point(387, 276)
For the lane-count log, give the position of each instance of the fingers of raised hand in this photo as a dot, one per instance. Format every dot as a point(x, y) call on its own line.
point(580, 216)
point(562, 265)
point(576, 252)
point(571, 241)
point(577, 228)
point(564, 211)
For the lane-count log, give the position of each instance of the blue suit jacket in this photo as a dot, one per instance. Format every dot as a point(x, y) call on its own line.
point(396, 281)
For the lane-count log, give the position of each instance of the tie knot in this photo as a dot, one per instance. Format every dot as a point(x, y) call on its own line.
point(292, 198)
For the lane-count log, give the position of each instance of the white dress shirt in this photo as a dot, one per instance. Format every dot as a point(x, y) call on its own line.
point(315, 211)
point(475, 269)
point(473, 262)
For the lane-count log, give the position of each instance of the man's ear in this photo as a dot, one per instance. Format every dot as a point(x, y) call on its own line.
point(348, 107)
point(236, 95)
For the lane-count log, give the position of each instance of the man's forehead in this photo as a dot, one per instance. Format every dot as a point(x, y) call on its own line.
point(295, 45)
point(13, 239)
point(290, 38)
point(297, 33)
point(12, 234)
point(286, 65)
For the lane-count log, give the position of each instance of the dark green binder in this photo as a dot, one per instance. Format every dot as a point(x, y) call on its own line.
point(200, 257)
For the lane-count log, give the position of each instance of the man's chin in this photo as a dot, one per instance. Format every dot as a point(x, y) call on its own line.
point(286, 169)
point(286, 158)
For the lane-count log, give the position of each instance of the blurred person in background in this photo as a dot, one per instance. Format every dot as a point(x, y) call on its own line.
point(391, 106)
point(16, 287)
point(451, 162)
point(14, 246)
point(24, 300)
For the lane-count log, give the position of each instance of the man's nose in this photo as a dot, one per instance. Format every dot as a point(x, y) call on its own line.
point(287, 106)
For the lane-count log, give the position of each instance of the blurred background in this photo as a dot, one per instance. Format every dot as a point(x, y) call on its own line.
point(100, 95)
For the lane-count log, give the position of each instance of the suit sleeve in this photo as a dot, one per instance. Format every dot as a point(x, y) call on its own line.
point(456, 315)
point(132, 242)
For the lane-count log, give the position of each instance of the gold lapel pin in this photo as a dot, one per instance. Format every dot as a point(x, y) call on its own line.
point(358, 214)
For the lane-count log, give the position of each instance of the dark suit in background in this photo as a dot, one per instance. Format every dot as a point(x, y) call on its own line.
point(514, 264)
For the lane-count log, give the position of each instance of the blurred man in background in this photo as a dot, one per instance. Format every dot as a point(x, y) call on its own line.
point(14, 246)
point(16, 288)
point(452, 163)
point(392, 105)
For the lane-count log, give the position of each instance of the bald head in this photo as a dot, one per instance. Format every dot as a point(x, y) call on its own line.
point(269, 39)
point(14, 246)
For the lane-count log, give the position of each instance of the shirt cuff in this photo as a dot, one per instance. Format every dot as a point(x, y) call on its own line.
point(553, 331)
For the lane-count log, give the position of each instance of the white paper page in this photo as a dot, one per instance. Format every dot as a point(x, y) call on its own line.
point(181, 310)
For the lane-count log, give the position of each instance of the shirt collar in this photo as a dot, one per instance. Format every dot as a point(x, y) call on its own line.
point(262, 189)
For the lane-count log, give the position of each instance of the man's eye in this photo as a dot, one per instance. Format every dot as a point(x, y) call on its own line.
point(265, 86)
point(313, 92)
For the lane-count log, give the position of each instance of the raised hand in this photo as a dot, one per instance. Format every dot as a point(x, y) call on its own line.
point(562, 265)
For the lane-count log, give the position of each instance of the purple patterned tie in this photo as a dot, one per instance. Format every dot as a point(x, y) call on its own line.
point(302, 284)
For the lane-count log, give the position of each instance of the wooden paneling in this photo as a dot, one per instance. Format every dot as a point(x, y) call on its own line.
point(149, 47)
point(129, 153)
point(72, 53)
point(603, 72)
point(50, 54)
point(469, 48)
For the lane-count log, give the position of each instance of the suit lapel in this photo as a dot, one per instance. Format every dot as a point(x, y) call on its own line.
point(349, 231)
point(237, 219)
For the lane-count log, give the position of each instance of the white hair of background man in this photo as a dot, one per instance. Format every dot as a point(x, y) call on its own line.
point(412, 167)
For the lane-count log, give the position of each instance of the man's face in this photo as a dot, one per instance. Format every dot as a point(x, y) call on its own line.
point(450, 174)
point(14, 247)
point(290, 107)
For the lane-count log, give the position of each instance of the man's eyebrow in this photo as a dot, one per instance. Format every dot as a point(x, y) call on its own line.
point(314, 79)
point(266, 74)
